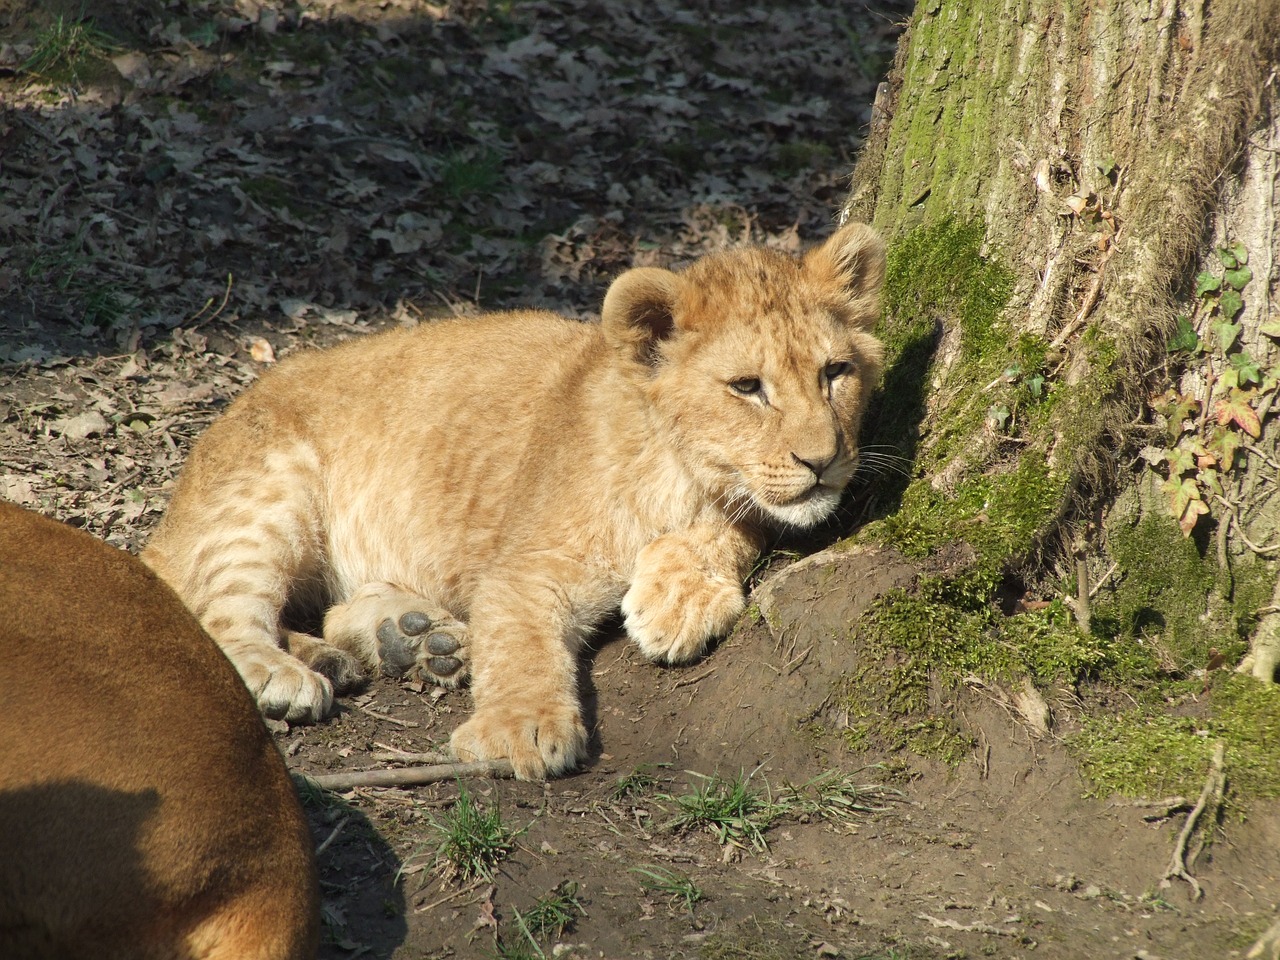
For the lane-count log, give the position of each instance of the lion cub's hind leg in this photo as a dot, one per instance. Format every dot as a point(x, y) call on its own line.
point(397, 632)
point(345, 671)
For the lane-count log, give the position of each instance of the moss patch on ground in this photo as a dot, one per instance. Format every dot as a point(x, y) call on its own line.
point(916, 650)
point(1147, 752)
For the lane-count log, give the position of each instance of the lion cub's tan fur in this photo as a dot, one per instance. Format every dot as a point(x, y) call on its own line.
point(506, 482)
point(144, 810)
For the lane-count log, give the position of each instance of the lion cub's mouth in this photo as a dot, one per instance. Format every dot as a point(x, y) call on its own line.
point(804, 509)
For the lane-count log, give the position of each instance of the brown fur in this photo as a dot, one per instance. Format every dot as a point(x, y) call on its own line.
point(144, 810)
point(474, 496)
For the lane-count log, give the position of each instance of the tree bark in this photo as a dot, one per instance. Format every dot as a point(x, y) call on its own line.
point(1047, 173)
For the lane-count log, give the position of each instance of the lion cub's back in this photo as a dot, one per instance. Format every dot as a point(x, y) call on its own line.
point(490, 365)
point(144, 809)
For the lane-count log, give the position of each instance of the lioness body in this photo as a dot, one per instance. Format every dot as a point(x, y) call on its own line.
point(144, 810)
point(506, 482)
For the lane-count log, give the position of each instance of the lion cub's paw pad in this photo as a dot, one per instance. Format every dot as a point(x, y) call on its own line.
point(401, 648)
point(396, 653)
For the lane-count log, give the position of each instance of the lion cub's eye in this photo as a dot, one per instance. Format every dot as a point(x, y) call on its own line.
point(838, 368)
point(746, 386)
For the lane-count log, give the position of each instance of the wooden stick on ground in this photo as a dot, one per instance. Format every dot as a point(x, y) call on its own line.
point(411, 776)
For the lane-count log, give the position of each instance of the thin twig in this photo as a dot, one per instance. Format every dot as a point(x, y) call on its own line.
point(976, 927)
point(1260, 453)
point(452, 896)
point(1103, 582)
point(1090, 301)
point(1235, 518)
point(226, 295)
point(690, 680)
point(1213, 788)
point(390, 719)
point(411, 776)
point(793, 664)
point(332, 836)
point(404, 756)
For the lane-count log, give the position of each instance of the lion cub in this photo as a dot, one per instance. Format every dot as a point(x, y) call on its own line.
point(144, 810)
point(472, 497)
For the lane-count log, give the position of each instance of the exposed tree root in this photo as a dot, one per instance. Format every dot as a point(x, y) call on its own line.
point(1268, 945)
point(1210, 799)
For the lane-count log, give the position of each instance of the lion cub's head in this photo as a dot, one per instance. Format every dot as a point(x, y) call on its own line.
point(758, 366)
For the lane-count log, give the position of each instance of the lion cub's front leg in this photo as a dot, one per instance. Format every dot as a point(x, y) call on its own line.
point(686, 590)
point(527, 627)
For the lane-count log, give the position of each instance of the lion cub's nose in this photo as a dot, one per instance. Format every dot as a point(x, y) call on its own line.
point(818, 464)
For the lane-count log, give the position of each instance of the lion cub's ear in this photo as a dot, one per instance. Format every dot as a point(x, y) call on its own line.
point(853, 260)
point(639, 312)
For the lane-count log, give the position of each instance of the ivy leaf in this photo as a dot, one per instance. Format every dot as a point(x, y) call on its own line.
point(1185, 503)
point(1204, 457)
point(1271, 329)
point(1235, 408)
point(1236, 252)
point(1227, 257)
point(1178, 410)
point(998, 414)
point(1185, 336)
point(1211, 481)
point(1225, 443)
point(1180, 461)
point(1153, 455)
point(1035, 386)
point(1206, 283)
point(1227, 333)
point(1238, 278)
point(1229, 379)
point(1230, 303)
point(1246, 367)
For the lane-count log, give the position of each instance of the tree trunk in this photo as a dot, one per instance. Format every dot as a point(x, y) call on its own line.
point(1052, 177)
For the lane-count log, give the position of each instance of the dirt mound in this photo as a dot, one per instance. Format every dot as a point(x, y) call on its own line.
point(1000, 855)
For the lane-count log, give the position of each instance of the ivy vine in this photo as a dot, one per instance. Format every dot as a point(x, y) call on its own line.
point(1206, 433)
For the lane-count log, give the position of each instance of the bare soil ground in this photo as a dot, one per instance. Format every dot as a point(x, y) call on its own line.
point(193, 189)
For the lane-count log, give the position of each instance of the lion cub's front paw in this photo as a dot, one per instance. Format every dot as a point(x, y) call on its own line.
point(285, 688)
point(540, 741)
point(673, 610)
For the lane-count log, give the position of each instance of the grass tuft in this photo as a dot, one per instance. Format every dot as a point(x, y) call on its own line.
point(637, 782)
point(669, 883)
point(552, 915)
point(472, 840)
point(731, 809)
point(837, 798)
point(64, 48)
point(738, 814)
